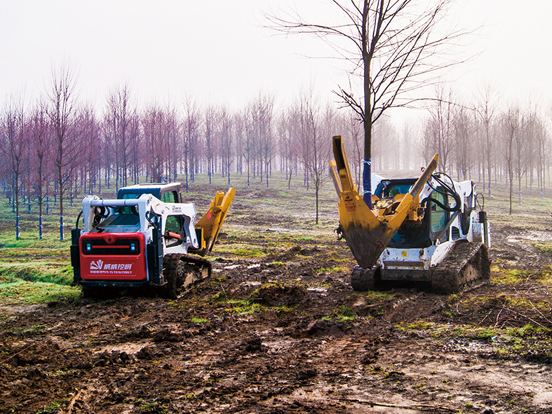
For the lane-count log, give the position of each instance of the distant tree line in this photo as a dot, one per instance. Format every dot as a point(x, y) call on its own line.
point(59, 148)
point(488, 142)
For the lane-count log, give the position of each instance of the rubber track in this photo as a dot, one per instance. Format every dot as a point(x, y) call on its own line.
point(362, 280)
point(467, 264)
point(194, 270)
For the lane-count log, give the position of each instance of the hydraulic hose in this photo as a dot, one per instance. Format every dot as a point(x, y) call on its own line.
point(448, 190)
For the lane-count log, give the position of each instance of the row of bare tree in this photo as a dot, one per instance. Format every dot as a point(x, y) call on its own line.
point(60, 148)
point(489, 143)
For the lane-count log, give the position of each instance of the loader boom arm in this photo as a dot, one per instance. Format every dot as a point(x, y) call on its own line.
point(208, 227)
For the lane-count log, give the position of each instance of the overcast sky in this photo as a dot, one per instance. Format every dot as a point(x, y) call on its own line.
point(218, 51)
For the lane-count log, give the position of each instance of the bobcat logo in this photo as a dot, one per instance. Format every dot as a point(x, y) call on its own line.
point(96, 265)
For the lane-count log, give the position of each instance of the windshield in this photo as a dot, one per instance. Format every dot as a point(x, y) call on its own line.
point(387, 188)
point(122, 216)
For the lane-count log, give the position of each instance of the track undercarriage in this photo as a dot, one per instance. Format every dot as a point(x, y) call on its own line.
point(466, 265)
point(182, 272)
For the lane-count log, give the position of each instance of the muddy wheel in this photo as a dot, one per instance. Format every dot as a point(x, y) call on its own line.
point(363, 279)
point(466, 265)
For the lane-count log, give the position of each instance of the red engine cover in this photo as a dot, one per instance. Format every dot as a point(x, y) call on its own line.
point(113, 256)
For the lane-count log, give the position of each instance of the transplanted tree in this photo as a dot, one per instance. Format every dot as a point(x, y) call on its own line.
point(391, 44)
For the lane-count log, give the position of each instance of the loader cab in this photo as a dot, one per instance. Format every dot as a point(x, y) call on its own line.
point(167, 193)
point(419, 234)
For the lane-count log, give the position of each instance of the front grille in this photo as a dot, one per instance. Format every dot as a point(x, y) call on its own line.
point(117, 247)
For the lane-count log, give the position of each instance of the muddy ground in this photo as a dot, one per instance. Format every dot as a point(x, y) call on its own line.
point(285, 333)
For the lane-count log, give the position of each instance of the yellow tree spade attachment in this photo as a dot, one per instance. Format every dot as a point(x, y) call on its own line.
point(368, 232)
point(208, 227)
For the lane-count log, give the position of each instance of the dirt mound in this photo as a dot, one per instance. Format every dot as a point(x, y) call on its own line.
point(276, 294)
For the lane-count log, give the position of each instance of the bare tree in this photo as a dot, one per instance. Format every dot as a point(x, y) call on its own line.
point(385, 145)
point(510, 123)
point(439, 133)
point(172, 133)
point(394, 47)
point(135, 138)
point(41, 139)
point(240, 136)
point(89, 137)
point(286, 141)
point(249, 142)
point(314, 148)
point(226, 142)
point(463, 149)
point(13, 145)
point(61, 112)
point(210, 125)
point(523, 146)
point(259, 138)
point(190, 139)
point(409, 143)
point(261, 115)
point(486, 113)
point(354, 136)
point(152, 124)
point(118, 118)
point(542, 142)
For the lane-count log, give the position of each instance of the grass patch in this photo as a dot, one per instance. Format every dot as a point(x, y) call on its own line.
point(331, 270)
point(545, 276)
point(199, 320)
point(302, 239)
point(243, 307)
point(248, 252)
point(53, 407)
point(38, 292)
point(37, 272)
point(373, 297)
point(509, 277)
point(543, 247)
point(528, 339)
point(343, 314)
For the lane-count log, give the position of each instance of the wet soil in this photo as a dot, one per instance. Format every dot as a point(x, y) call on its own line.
point(286, 333)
